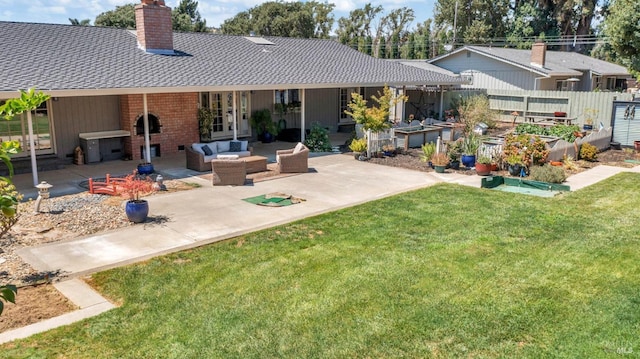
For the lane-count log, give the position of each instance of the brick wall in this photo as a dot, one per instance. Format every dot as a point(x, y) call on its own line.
point(178, 115)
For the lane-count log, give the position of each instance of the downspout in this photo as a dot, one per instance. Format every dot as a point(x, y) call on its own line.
point(235, 117)
point(145, 121)
point(303, 117)
point(32, 149)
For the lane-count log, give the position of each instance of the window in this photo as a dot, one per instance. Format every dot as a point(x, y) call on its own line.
point(287, 97)
point(345, 99)
point(17, 129)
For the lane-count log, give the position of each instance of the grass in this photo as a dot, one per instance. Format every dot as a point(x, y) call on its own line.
point(444, 272)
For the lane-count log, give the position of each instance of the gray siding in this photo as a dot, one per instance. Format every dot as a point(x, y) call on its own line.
point(74, 115)
point(488, 73)
point(322, 108)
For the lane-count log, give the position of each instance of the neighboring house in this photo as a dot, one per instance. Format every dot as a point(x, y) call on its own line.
point(497, 68)
point(108, 79)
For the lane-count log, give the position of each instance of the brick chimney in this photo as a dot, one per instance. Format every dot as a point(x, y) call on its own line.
point(538, 54)
point(153, 27)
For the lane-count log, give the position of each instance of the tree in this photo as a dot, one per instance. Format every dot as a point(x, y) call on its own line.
point(186, 17)
point(485, 18)
point(358, 24)
point(275, 18)
point(622, 26)
point(394, 27)
point(7, 293)
point(76, 22)
point(123, 17)
point(411, 46)
point(322, 18)
point(374, 118)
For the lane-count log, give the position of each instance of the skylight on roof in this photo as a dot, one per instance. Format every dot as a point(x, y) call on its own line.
point(259, 40)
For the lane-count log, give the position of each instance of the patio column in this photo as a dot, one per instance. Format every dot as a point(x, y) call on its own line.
point(303, 119)
point(441, 102)
point(145, 121)
point(32, 149)
point(235, 116)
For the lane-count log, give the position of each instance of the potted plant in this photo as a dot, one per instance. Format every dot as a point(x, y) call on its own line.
point(358, 146)
point(133, 187)
point(589, 115)
point(428, 150)
point(205, 121)
point(454, 150)
point(262, 123)
point(515, 164)
point(483, 165)
point(470, 145)
point(440, 161)
point(389, 150)
point(145, 168)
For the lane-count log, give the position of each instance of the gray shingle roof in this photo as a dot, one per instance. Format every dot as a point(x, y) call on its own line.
point(558, 63)
point(79, 58)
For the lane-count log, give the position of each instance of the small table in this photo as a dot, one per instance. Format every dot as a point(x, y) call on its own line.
point(255, 163)
point(408, 131)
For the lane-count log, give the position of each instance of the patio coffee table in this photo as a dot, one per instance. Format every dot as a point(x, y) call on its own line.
point(255, 163)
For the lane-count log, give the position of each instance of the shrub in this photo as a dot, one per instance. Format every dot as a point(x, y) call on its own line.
point(358, 145)
point(530, 148)
point(588, 152)
point(440, 159)
point(476, 109)
point(428, 149)
point(548, 173)
point(9, 198)
point(318, 139)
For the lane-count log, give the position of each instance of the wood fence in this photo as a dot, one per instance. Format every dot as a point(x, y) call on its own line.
point(578, 105)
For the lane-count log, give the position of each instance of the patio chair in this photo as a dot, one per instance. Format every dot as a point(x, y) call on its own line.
point(228, 172)
point(294, 160)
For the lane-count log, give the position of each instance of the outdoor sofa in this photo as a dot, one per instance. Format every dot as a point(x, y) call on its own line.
point(199, 159)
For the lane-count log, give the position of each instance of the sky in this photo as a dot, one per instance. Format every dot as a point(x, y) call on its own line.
point(215, 12)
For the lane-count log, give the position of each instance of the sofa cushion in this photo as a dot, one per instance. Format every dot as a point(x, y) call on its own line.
point(207, 150)
point(198, 148)
point(299, 147)
point(239, 154)
point(235, 146)
point(223, 146)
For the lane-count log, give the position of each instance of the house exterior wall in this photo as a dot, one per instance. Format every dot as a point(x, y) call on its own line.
point(74, 115)
point(178, 115)
point(323, 107)
point(488, 73)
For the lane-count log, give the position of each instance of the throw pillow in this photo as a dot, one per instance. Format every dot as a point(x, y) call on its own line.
point(244, 145)
point(299, 147)
point(207, 150)
point(235, 146)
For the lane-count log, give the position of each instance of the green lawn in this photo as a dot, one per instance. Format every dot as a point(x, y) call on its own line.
point(444, 272)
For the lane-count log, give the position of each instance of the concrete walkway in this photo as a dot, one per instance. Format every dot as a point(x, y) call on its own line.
point(210, 214)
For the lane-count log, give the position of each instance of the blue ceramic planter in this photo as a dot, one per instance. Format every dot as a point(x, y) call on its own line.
point(145, 169)
point(468, 160)
point(137, 211)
